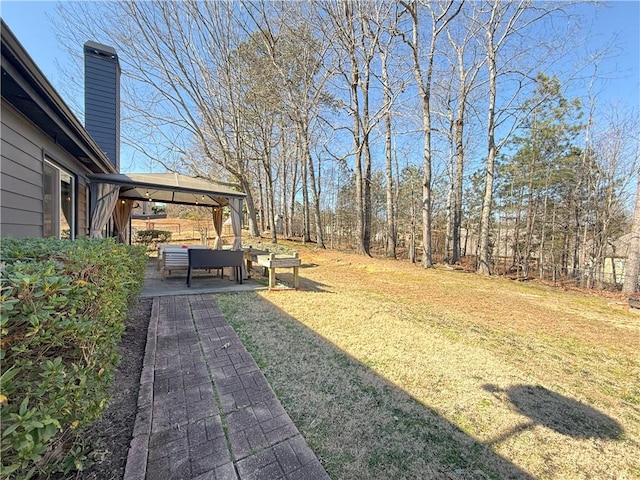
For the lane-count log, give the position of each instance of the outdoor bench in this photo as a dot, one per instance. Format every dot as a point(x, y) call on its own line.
point(273, 261)
point(215, 259)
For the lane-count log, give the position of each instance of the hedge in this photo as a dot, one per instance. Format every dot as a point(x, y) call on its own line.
point(151, 238)
point(63, 310)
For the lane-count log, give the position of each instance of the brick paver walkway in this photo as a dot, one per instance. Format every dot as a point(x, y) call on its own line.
point(205, 410)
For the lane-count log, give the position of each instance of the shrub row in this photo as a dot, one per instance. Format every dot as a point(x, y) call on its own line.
point(63, 310)
point(151, 238)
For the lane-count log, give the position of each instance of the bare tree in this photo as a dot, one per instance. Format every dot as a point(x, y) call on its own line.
point(462, 36)
point(513, 52)
point(357, 26)
point(615, 152)
point(297, 55)
point(441, 13)
point(391, 88)
point(391, 217)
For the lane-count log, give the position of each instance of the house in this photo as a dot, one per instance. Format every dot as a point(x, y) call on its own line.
point(59, 178)
point(46, 153)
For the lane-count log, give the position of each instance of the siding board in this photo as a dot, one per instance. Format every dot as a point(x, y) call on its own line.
point(15, 145)
point(20, 217)
point(17, 172)
point(20, 202)
point(20, 231)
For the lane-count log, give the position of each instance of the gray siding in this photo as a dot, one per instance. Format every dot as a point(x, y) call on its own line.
point(22, 149)
point(102, 102)
point(21, 180)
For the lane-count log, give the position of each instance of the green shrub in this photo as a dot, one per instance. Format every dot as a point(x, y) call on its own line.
point(151, 238)
point(63, 310)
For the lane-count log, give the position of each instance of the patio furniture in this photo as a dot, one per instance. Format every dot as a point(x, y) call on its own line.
point(175, 257)
point(215, 259)
point(273, 261)
point(161, 247)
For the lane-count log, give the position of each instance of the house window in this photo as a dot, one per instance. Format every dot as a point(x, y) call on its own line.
point(59, 202)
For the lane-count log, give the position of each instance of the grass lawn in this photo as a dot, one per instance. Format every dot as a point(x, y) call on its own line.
point(392, 371)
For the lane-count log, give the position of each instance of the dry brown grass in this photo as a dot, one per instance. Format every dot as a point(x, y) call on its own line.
point(393, 371)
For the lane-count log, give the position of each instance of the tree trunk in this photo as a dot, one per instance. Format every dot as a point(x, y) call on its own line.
point(412, 239)
point(283, 198)
point(632, 266)
point(458, 132)
point(270, 197)
point(448, 240)
point(261, 200)
point(306, 234)
point(487, 199)
point(439, 21)
point(532, 208)
point(292, 197)
point(251, 210)
point(366, 151)
point(390, 246)
point(314, 186)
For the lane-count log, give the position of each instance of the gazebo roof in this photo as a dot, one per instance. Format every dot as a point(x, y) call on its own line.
point(169, 188)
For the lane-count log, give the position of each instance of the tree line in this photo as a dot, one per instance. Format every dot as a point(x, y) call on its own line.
point(433, 130)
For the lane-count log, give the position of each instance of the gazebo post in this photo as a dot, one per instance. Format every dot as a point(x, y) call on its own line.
point(235, 205)
point(236, 222)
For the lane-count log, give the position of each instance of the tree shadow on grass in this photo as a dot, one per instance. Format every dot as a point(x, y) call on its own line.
point(557, 412)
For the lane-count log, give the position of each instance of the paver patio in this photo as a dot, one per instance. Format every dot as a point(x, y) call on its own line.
point(205, 410)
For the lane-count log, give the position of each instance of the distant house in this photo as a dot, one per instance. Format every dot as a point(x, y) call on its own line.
point(616, 259)
point(59, 178)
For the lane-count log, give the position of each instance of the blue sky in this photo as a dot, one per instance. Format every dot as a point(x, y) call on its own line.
point(30, 22)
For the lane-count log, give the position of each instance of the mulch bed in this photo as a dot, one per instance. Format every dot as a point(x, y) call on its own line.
point(111, 435)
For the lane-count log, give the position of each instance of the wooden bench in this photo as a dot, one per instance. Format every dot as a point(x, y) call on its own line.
point(273, 261)
point(251, 257)
point(215, 259)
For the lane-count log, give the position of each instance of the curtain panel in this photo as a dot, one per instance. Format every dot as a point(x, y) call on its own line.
point(121, 215)
point(103, 200)
point(217, 227)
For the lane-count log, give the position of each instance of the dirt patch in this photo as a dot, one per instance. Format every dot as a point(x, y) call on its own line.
point(112, 433)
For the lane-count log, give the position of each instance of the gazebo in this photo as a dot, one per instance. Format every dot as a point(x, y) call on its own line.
point(114, 194)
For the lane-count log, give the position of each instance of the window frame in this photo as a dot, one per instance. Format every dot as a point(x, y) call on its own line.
point(59, 175)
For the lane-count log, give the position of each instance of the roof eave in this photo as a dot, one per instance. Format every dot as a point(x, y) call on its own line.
point(124, 180)
point(62, 114)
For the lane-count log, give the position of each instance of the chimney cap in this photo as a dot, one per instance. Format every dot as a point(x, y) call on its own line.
point(99, 49)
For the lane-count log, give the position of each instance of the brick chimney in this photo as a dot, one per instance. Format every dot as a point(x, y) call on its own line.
point(102, 98)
